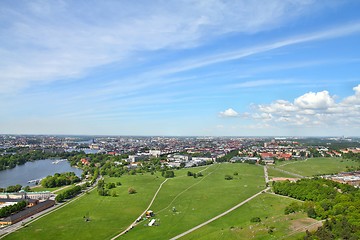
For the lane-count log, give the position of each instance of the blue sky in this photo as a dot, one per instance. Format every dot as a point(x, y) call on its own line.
point(206, 67)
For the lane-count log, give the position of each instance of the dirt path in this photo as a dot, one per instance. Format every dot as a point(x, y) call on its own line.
point(187, 189)
point(290, 173)
point(219, 216)
point(135, 222)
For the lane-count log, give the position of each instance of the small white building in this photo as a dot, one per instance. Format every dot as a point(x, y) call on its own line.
point(152, 222)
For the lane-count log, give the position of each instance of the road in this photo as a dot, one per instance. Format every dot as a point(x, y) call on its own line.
point(142, 214)
point(219, 216)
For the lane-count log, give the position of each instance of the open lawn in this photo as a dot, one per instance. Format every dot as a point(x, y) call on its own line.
point(185, 202)
point(274, 224)
point(108, 215)
point(40, 188)
point(195, 200)
point(316, 166)
point(273, 172)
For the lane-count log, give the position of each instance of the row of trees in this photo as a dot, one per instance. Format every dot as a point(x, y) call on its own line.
point(352, 156)
point(8, 210)
point(15, 188)
point(228, 156)
point(104, 188)
point(325, 199)
point(195, 175)
point(60, 179)
point(70, 193)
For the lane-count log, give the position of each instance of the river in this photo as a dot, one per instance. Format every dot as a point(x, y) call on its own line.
point(34, 170)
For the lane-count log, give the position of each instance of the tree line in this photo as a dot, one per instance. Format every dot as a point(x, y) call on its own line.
point(70, 193)
point(352, 156)
point(324, 199)
point(8, 161)
point(60, 179)
point(8, 210)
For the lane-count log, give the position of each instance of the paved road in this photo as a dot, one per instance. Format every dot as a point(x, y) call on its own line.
point(142, 214)
point(220, 215)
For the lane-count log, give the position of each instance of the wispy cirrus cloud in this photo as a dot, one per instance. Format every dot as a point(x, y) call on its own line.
point(261, 83)
point(43, 42)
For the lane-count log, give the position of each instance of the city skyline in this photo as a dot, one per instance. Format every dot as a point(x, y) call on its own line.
point(180, 68)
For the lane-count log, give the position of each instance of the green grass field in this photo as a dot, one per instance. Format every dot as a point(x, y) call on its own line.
point(183, 203)
point(108, 215)
point(316, 166)
point(40, 188)
point(269, 208)
point(198, 200)
point(274, 172)
point(195, 199)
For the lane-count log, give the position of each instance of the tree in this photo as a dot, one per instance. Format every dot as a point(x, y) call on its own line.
point(255, 219)
point(131, 190)
point(15, 188)
point(228, 177)
point(169, 174)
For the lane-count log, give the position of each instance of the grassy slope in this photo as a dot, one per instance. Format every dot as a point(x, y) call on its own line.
point(196, 200)
point(273, 172)
point(316, 166)
point(109, 215)
point(200, 199)
point(237, 225)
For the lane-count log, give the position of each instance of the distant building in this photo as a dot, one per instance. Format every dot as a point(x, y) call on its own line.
point(136, 158)
point(29, 211)
point(155, 153)
point(85, 161)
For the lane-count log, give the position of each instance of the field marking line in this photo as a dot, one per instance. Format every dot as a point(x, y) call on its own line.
point(279, 195)
point(55, 191)
point(151, 202)
point(290, 173)
point(186, 190)
point(220, 215)
point(302, 228)
point(301, 161)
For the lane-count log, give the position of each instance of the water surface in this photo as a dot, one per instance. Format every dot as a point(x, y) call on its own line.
point(34, 170)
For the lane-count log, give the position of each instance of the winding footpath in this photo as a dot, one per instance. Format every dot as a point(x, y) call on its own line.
point(135, 222)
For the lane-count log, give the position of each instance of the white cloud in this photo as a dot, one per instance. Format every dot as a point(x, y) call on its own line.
point(229, 113)
point(311, 110)
point(320, 100)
